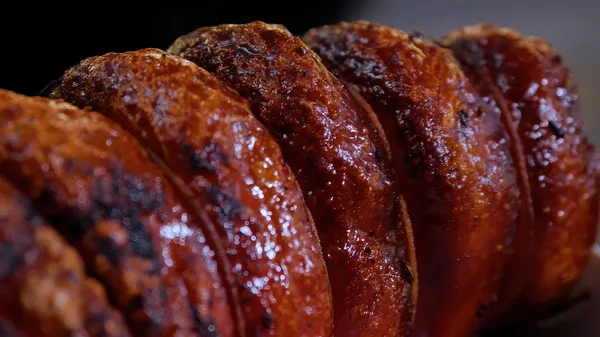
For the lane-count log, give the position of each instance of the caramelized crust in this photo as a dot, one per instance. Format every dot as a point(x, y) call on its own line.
point(453, 165)
point(340, 160)
point(97, 187)
point(43, 287)
point(207, 135)
point(539, 98)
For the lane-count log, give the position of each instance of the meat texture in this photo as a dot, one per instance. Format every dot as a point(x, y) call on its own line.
point(43, 287)
point(452, 159)
point(538, 96)
point(341, 160)
point(96, 186)
point(234, 170)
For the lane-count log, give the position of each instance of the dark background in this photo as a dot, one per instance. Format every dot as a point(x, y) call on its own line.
point(40, 42)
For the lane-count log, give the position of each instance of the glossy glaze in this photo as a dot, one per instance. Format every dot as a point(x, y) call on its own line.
point(453, 166)
point(43, 285)
point(97, 187)
point(340, 159)
point(207, 135)
point(539, 97)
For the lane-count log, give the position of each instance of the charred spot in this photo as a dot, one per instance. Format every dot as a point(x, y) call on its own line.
point(109, 250)
point(267, 321)
point(140, 241)
point(69, 165)
point(556, 129)
point(415, 35)
point(10, 260)
point(463, 118)
point(556, 59)
point(205, 327)
point(406, 272)
point(368, 250)
point(230, 208)
point(372, 260)
point(70, 224)
point(378, 156)
point(136, 303)
point(203, 159)
point(371, 233)
point(481, 310)
point(49, 88)
point(46, 197)
point(30, 212)
point(123, 200)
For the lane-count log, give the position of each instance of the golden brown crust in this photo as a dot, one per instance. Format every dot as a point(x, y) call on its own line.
point(453, 165)
point(43, 286)
point(207, 135)
point(339, 159)
point(97, 187)
point(539, 98)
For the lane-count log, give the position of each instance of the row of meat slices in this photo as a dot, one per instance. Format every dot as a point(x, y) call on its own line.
point(359, 181)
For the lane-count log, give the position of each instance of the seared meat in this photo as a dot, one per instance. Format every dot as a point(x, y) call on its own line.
point(453, 163)
point(538, 96)
point(233, 167)
point(96, 186)
point(43, 287)
point(341, 160)
point(204, 191)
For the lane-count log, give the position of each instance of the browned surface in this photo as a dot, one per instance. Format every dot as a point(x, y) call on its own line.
point(97, 187)
point(43, 287)
point(209, 138)
point(453, 165)
point(539, 97)
point(339, 160)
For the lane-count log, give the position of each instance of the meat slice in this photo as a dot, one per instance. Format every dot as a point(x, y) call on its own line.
point(207, 135)
point(43, 286)
point(96, 186)
point(539, 98)
point(453, 164)
point(340, 159)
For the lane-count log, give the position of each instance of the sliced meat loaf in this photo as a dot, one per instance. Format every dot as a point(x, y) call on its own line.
point(234, 170)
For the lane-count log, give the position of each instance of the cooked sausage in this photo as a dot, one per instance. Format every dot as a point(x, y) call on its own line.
point(97, 187)
point(43, 286)
point(453, 164)
point(340, 159)
point(207, 135)
point(538, 96)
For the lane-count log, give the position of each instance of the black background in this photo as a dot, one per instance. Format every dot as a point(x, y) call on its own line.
point(40, 42)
